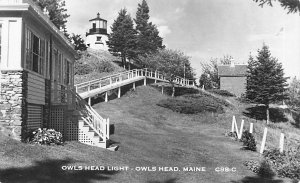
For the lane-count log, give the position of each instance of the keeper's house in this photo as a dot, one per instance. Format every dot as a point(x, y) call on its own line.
point(233, 78)
point(36, 67)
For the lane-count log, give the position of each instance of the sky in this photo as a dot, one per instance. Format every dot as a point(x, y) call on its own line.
point(205, 29)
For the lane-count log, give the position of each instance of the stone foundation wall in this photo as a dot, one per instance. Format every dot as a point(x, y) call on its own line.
point(13, 108)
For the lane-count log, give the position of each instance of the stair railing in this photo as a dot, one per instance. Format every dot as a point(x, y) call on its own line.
point(122, 76)
point(91, 117)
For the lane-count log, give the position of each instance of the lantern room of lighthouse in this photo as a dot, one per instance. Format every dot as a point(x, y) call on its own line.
point(97, 36)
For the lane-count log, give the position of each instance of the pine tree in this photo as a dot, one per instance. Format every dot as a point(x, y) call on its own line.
point(293, 6)
point(148, 39)
point(57, 11)
point(266, 83)
point(122, 40)
point(78, 42)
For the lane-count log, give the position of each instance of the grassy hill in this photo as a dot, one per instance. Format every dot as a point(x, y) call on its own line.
point(149, 136)
point(95, 64)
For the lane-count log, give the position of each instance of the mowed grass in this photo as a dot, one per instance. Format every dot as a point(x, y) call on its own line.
point(148, 136)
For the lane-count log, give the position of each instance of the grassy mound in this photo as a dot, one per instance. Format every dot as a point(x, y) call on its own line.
point(224, 93)
point(193, 101)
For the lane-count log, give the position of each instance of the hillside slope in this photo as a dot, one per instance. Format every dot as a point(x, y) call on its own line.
point(95, 64)
point(149, 136)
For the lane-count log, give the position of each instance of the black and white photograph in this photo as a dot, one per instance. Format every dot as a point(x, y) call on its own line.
point(150, 91)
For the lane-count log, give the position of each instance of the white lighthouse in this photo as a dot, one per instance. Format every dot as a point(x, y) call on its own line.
point(97, 36)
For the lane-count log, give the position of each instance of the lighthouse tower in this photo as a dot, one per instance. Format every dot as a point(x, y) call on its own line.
point(97, 36)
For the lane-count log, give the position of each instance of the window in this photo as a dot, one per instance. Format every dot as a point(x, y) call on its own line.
point(94, 26)
point(98, 38)
point(35, 52)
point(67, 72)
point(47, 59)
point(54, 62)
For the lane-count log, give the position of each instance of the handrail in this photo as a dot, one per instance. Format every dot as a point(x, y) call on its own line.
point(91, 117)
point(144, 72)
point(106, 77)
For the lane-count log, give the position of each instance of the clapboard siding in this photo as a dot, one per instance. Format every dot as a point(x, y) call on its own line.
point(36, 89)
point(35, 116)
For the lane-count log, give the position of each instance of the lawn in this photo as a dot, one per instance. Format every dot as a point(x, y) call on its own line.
point(148, 136)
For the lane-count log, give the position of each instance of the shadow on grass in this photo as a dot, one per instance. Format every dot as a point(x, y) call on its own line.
point(51, 171)
point(173, 180)
point(259, 113)
point(257, 179)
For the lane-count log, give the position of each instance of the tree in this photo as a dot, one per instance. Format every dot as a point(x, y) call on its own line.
point(148, 39)
point(122, 40)
point(209, 78)
point(170, 63)
point(78, 42)
point(57, 11)
point(293, 6)
point(226, 60)
point(294, 94)
point(266, 83)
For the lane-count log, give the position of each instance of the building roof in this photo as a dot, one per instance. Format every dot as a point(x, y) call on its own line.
point(29, 5)
point(232, 70)
point(98, 18)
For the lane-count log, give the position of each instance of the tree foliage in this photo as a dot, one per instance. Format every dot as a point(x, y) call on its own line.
point(148, 39)
point(78, 42)
point(293, 6)
point(209, 77)
point(57, 11)
point(171, 63)
point(226, 60)
point(122, 40)
point(266, 83)
point(294, 94)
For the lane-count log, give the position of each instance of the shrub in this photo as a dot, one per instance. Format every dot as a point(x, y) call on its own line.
point(232, 135)
point(286, 164)
point(82, 68)
point(102, 66)
point(248, 140)
point(44, 137)
point(252, 165)
point(265, 170)
point(221, 92)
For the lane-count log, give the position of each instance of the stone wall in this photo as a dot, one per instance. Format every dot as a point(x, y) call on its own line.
point(13, 108)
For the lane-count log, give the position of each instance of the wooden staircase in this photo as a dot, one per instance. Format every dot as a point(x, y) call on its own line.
point(92, 128)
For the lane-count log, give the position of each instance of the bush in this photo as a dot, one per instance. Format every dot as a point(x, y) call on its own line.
point(232, 135)
point(252, 165)
point(286, 164)
point(265, 170)
point(221, 92)
point(82, 68)
point(102, 66)
point(248, 141)
point(44, 137)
